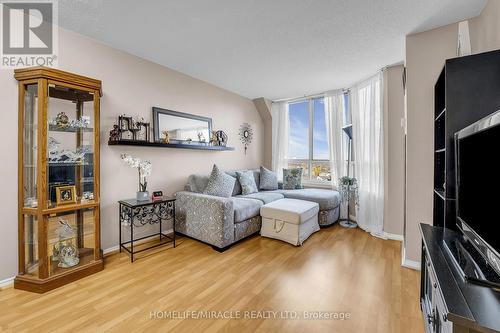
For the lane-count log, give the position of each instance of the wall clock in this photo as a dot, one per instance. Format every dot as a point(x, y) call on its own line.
point(246, 135)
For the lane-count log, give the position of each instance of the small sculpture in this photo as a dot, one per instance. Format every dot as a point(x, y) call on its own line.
point(83, 122)
point(114, 134)
point(201, 137)
point(87, 196)
point(62, 120)
point(221, 138)
point(166, 137)
point(213, 138)
point(65, 251)
point(52, 145)
point(133, 128)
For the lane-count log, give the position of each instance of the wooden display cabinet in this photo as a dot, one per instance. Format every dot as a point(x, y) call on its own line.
point(58, 195)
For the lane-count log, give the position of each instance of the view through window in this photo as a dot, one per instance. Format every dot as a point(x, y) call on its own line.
point(308, 140)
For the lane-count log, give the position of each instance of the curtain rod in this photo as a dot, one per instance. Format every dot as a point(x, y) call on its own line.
point(308, 96)
point(345, 90)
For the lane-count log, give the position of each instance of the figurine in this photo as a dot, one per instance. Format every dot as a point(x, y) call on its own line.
point(52, 145)
point(114, 134)
point(87, 196)
point(166, 137)
point(213, 138)
point(201, 137)
point(221, 138)
point(65, 251)
point(62, 120)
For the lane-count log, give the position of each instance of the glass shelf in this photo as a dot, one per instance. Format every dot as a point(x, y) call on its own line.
point(54, 164)
point(53, 208)
point(69, 129)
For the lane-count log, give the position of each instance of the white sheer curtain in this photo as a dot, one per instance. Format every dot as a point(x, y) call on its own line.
point(334, 114)
point(368, 141)
point(279, 113)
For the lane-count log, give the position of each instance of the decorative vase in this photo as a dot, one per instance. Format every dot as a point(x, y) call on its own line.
point(142, 196)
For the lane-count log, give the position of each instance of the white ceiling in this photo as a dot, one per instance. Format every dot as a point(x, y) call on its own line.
point(270, 48)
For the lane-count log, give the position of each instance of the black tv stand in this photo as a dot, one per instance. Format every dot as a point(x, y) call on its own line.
point(462, 255)
point(449, 302)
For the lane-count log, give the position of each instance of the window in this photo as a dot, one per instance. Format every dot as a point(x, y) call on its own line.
point(347, 110)
point(308, 139)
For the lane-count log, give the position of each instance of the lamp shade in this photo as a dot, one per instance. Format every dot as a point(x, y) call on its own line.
point(348, 130)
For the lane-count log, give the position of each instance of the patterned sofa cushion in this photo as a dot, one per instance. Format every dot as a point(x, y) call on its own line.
point(197, 183)
point(245, 208)
point(292, 179)
point(219, 184)
point(247, 182)
point(327, 199)
point(256, 175)
point(264, 196)
point(268, 179)
point(237, 185)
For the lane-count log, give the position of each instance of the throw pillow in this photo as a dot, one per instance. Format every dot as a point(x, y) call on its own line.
point(292, 179)
point(237, 186)
point(219, 184)
point(247, 182)
point(268, 179)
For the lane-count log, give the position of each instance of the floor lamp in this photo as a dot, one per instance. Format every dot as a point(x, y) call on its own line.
point(348, 223)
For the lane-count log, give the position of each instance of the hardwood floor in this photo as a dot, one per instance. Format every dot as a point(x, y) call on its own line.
point(336, 270)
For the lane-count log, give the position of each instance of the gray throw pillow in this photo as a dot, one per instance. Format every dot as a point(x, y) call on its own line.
point(268, 179)
point(247, 182)
point(292, 179)
point(237, 186)
point(219, 184)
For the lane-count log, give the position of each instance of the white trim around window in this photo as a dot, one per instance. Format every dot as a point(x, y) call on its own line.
point(310, 162)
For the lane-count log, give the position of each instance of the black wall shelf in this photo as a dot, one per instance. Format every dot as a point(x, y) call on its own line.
point(169, 145)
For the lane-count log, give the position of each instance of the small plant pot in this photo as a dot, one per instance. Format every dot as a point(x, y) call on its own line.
point(142, 196)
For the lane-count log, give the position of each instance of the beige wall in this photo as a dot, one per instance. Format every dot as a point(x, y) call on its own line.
point(394, 148)
point(426, 53)
point(485, 29)
point(263, 105)
point(425, 57)
point(130, 85)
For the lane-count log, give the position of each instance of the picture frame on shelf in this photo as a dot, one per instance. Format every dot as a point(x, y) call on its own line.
point(65, 195)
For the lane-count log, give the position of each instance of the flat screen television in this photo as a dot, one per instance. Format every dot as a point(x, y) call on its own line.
point(477, 149)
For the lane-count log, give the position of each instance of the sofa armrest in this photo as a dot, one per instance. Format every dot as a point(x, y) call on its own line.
point(205, 217)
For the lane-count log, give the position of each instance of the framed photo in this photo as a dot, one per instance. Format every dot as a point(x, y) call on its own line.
point(65, 195)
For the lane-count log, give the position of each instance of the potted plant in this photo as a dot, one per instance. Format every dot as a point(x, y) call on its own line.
point(144, 170)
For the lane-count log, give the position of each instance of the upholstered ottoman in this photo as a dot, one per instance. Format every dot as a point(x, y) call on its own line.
point(289, 220)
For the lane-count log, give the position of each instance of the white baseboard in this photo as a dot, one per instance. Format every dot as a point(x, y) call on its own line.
point(111, 249)
point(6, 282)
point(393, 236)
point(412, 264)
point(117, 247)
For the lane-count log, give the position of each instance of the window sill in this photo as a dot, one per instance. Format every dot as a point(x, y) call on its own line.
point(312, 184)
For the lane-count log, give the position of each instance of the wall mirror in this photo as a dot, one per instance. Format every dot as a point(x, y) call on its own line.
point(182, 128)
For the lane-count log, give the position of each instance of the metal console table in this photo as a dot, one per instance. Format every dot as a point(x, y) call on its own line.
point(138, 214)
